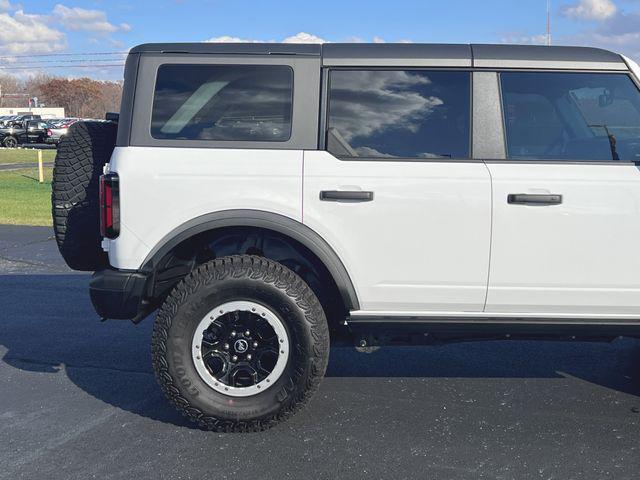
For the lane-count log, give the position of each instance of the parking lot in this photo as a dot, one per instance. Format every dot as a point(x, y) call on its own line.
point(78, 400)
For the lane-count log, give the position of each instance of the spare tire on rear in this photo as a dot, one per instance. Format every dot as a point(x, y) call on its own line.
point(81, 156)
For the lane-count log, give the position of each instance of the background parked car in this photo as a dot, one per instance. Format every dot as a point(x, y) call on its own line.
point(7, 120)
point(58, 128)
point(24, 132)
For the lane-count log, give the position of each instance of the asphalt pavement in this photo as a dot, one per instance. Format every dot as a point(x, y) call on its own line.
point(78, 400)
point(20, 166)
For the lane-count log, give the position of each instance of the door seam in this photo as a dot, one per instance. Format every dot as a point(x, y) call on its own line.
point(302, 189)
point(486, 294)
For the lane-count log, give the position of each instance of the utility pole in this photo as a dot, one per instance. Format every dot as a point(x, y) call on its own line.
point(548, 22)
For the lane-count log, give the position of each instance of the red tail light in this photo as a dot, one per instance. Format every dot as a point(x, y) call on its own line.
point(50, 133)
point(109, 205)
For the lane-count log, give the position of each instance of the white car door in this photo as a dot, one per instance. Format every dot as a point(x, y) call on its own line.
point(566, 202)
point(396, 193)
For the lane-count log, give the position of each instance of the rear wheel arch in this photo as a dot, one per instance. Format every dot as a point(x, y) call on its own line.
point(218, 223)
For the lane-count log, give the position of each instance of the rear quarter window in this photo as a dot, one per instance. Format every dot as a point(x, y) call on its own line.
point(223, 103)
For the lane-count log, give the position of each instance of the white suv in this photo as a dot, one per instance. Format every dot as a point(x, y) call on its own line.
point(266, 197)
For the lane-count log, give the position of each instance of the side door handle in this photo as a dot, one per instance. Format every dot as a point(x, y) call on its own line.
point(534, 198)
point(346, 196)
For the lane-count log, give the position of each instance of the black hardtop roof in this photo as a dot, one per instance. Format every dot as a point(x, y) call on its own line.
point(397, 50)
point(230, 48)
point(544, 53)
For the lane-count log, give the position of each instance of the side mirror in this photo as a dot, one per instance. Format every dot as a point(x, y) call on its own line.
point(112, 117)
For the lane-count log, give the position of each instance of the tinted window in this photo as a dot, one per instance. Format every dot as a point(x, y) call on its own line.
point(571, 116)
point(223, 102)
point(399, 113)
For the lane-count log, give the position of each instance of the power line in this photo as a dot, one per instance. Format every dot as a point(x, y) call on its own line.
point(63, 54)
point(41, 67)
point(57, 60)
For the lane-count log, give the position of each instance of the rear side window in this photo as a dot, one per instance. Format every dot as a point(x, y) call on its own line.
point(37, 124)
point(571, 116)
point(415, 114)
point(250, 103)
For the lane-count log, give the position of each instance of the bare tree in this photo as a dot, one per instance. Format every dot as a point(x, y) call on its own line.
point(10, 86)
point(80, 97)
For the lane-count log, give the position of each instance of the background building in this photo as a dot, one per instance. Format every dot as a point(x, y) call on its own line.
point(44, 112)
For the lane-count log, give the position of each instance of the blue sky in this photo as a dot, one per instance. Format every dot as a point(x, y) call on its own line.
point(41, 27)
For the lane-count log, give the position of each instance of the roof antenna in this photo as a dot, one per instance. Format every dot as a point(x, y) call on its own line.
point(548, 22)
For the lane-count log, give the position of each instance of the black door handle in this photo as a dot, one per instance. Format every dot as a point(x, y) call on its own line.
point(534, 198)
point(345, 196)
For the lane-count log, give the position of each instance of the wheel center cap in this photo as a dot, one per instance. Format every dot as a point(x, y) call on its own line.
point(241, 346)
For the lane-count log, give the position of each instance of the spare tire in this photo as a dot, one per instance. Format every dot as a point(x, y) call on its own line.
point(81, 156)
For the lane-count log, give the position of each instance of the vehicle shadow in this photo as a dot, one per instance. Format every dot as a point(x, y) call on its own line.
point(47, 325)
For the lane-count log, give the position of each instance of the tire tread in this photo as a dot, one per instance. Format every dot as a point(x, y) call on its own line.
point(75, 207)
point(257, 268)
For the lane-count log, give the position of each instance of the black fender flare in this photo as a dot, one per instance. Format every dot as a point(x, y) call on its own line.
point(260, 219)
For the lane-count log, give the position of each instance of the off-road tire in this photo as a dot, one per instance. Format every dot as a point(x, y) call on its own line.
point(80, 159)
point(226, 279)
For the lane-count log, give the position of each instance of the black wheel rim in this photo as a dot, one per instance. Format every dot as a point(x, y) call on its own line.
point(240, 349)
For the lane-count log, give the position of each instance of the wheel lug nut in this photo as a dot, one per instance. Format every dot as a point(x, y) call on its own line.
point(255, 344)
point(226, 346)
point(233, 334)
point(249, 357)
point(234, 358)
point(247, 333)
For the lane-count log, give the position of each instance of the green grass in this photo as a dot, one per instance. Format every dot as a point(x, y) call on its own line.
point(24, 155)
point(23, 200)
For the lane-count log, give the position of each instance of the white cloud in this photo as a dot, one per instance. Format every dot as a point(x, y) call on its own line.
point(21, 34)
point(81, 19)
point(615, 29)
point(303, 37)
point(620, 33)
point(627, 43)
point(522, 39)
point(229, 39)
point(591, 10)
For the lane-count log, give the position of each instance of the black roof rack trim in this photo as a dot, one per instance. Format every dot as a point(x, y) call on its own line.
point(472, 55)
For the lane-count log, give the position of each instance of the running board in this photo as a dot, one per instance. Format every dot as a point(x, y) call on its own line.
point(445, 328)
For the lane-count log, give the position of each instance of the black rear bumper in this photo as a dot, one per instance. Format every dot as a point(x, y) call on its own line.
point(119, 295)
